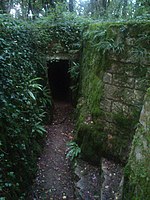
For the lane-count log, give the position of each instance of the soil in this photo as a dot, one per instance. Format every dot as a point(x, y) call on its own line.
point(56, 179)
point(54, 176)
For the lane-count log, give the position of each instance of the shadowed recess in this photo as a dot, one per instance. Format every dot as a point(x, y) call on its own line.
point(59, 80)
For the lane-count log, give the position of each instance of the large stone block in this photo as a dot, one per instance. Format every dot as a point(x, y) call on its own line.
point(123, 80)
point(116, 67)
point(132, 97)
point(141, 84)
point(120, 107)
point(106, 105)
point(112, 91)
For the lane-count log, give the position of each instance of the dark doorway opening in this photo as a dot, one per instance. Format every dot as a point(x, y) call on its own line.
point(59, 80)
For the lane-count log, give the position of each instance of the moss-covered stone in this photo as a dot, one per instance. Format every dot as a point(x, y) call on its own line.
point(91, 150)
point(137, 171)
point(110, 98)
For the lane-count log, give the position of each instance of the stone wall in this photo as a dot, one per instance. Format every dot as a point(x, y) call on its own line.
point(137, 171)
point(115, 74)
point(121, 102)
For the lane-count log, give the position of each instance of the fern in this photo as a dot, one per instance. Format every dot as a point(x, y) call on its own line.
point(73, 151)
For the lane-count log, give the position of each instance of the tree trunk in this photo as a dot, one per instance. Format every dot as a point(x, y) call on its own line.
point(29, 7)
point(4, 6)
point(52, 3)
point(104, 3)
point(71, 5)
point(124, 10)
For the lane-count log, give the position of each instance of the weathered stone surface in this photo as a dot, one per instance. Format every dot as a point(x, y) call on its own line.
point(140, 84)
point(132, 97)
point(128, 96)
point(106, 105)
point(113, 181)
point(111, 91)
point(104, 182)
point(88, 181)
point(139, 95)
point(123, 80)
point(108, 117)
point(107, 78)
point(145, 113)
point(62, 56)
point(116, 67)
point(138, 167)
point(120, 98)
point(109, 127)
point(119, 107)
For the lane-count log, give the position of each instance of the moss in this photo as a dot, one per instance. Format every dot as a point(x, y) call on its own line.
point(137, 174)
point(91, 138)
point(126, 122)
point(104, 45)
point(88, 108)
point(137, 170)
point(91, 82)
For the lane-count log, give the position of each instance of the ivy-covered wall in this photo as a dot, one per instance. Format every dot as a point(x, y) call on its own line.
point(137, 170)
point(114, 78)
point(24, 100)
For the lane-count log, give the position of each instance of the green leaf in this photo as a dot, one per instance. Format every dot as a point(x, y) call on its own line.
point(36, 85)
point(2, 198)
point(31, 95)
point(35, 79)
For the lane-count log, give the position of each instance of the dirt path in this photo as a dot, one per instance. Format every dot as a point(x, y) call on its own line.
point(54, 177)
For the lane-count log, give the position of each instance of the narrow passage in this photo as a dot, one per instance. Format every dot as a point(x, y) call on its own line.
point(56, 180)
point(54, 177)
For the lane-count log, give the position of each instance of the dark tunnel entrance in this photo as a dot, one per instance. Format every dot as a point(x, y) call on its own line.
point(59, 80)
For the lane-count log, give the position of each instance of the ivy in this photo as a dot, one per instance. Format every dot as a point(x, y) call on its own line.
point(24, 98)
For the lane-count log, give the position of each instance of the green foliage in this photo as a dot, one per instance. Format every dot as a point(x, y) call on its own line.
point(60, 34)
point(74, 75)
point(73, 150)
point(90, 91)
point(24, 94)
point(23, 101)
point(125, 122)
point(103, 38)
point(25, 97)
point(104, 41)
point(114, 10)
point(118, 10)
point(105, 45)
point(74, 71)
